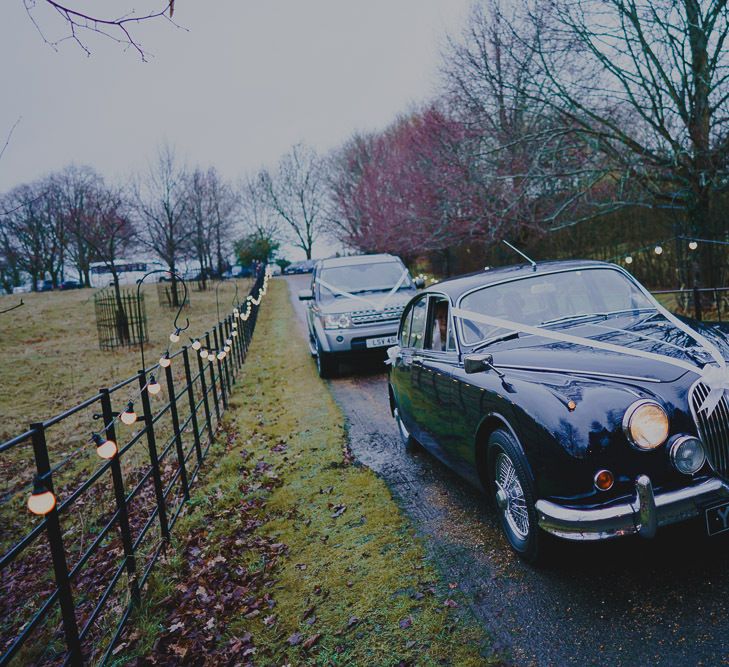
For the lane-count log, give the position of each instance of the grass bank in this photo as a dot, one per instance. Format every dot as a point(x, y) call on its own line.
point(289, 553)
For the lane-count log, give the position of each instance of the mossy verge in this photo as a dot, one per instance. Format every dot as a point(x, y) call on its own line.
point(331, 572)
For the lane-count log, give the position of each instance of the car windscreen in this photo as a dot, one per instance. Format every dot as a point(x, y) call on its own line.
point(361, 278)
point(551, 298)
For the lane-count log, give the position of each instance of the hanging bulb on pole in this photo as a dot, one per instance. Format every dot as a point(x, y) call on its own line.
point(204, 353)
point(196, 345)
point(628, 260)
point(41, 501)
point(693, 245)
point(128, 417)
point(658, 250)
point(153, 387)
point(175, 336)
point(106, 449)
point(165, 361)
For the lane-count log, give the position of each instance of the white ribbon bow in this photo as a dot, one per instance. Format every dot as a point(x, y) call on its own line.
point(716, 378)
point(392, 353)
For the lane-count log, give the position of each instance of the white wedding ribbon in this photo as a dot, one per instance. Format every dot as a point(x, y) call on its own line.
point(376, 304)
point(716, 378)
point(392, 353)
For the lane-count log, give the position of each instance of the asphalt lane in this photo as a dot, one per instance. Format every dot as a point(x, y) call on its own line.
point(626, 602)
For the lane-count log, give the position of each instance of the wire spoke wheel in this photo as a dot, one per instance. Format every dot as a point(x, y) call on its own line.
point(511, 499)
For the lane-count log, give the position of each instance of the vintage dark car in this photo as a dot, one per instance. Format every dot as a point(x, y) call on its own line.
point(567, 393)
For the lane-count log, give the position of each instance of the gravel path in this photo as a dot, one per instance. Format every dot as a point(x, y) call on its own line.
point(627, 602)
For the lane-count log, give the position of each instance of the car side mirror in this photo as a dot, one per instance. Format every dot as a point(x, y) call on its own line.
point(419, 283)
point(476, 363)
point(305, 295)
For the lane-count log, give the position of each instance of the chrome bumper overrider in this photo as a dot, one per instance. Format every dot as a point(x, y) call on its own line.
point(643, 515)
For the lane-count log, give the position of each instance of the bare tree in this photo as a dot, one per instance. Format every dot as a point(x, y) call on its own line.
point(117, 27)
point(642, 86)
point(77, 189)
point(296, 193)
point(257, 216)
point(160, 201)
point(108, 232)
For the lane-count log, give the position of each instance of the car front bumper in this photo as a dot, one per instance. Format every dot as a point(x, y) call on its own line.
point(354, 339)
point(642, 515)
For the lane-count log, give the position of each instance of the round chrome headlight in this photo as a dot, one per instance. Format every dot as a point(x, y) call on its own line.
point(645, 424)
point(337, 321)
point(687, 454)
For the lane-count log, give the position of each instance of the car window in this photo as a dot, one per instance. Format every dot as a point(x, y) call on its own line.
point(440, 336)
point(363, 278)
point(404, 335)
point(417, 326)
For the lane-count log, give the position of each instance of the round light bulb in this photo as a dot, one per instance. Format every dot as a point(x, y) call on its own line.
point(128, 417)
point(228, 341)
point(628, 260)
point(234, 334)
point(196, 345)
point(226, 349)
point(658, 250)
point(107, 449)
point(235, 324)
point(175, 338)
point(693, 245)
point(154, 387)
point(165, 361)
point(204, 353)
point(221, 355)
point(41, 502)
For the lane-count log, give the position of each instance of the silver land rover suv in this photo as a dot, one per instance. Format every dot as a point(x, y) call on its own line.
point(356, 303)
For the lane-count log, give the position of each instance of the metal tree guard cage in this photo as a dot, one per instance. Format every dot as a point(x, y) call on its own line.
point(171, 294)
point(119, 327)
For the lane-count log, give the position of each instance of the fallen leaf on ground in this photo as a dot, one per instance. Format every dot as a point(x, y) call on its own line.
point(405, 623)
point(311, 641)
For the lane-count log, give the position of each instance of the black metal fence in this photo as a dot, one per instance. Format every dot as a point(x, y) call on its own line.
point(71, 581)
point(118, 320)
point(710, 304)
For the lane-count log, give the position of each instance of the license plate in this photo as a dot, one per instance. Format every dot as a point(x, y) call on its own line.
point(381, 342)
point(717, 519)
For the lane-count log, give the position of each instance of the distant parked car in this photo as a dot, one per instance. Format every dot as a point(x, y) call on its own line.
point(306, 266)
point(21, 289)
point(356, 303)
point(71, 284)
point(45, 286)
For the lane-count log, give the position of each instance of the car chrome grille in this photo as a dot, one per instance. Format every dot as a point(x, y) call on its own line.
point(374, 316)
point(714, 429)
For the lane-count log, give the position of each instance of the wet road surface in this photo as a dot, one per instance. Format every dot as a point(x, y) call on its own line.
point(627, 602)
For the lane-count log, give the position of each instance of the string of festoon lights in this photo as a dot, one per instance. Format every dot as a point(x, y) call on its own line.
point(658, 248)
point(42, 500)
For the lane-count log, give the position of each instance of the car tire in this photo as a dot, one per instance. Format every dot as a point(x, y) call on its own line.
point(408, 442)
point(512, 489)
point(326, 363)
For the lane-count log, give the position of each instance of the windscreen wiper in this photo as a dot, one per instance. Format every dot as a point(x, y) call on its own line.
point(498, 339)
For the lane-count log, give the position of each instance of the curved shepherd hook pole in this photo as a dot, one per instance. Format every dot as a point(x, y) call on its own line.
point(178, 328)
point(235, 296)
point(18, 305)
point(217, 303)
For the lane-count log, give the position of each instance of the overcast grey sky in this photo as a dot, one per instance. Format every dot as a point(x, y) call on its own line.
point(246, 80)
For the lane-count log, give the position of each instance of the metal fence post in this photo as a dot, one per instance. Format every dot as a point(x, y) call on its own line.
point(58, 553)
point(153, 458)
point(191, 399)
point(121, 501)
point(697, 303)
point(176, 430)
point(206, 403)
point(226, 364)
point(220, 369)
point(212, 384)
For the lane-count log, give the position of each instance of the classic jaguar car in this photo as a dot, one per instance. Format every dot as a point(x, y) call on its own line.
point(565, 391)
point(355, 308)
